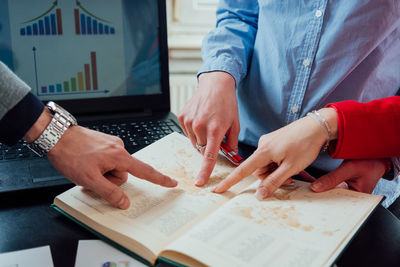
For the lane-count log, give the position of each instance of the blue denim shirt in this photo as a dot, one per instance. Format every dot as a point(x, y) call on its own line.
point(291, 57)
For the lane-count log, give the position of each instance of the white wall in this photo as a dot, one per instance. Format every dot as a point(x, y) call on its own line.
point(188, 22)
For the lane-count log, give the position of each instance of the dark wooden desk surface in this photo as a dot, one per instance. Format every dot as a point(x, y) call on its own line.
point(27, 221)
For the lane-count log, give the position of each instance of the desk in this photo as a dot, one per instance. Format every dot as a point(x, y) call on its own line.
point(30, 222)
point(27, 221)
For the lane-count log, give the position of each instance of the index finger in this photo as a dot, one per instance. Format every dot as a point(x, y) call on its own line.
point(244, 170)
point(144, 171)
point(209, 159)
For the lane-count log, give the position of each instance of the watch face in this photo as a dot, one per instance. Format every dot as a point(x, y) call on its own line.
point(57, 109)
point(52, 106)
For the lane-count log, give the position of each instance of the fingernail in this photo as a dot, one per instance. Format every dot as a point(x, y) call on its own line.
point(199, 182)
point(343, 185)
point(261, 193)
point(215, 189)
point(122, 203)
point(316, 186)
point(173, 182)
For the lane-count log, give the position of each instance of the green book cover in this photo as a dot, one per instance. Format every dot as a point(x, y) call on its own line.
point(161, 261)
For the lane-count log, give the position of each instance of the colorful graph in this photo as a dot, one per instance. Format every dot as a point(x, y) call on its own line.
point(86, 24)
point(85, 81)
point(48, 25)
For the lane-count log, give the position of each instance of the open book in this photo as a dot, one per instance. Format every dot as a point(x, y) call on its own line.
point(192, 226)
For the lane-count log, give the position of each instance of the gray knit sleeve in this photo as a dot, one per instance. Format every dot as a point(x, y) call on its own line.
point(12, 89)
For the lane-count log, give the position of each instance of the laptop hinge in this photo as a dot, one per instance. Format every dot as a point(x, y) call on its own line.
point(112, 115)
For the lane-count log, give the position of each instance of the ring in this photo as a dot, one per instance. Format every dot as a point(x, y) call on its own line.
point(199, 147)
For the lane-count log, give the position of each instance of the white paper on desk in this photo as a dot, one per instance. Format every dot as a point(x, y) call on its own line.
point(33, 257)
point(99, 254)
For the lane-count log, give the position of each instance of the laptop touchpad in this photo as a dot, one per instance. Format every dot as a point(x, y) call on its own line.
point(44, 172)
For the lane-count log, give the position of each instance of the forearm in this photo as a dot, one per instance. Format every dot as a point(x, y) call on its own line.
point(12, 90)
point(18, 120)
point(229, 46)
point(39, 126)
point(19, 109)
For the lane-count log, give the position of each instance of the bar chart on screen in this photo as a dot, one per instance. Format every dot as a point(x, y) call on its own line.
point(50, 22)
point(69, 49)
point(44, 25)
point(84, 81)
point(88, 23)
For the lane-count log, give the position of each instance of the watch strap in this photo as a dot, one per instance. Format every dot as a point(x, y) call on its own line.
point(51, 135)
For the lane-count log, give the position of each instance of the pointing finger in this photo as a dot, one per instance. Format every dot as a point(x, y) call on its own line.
point(244, 170)
point(145, 171)
point(209, 159)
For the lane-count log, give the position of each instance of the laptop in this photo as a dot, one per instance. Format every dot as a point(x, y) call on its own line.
point(104, 61)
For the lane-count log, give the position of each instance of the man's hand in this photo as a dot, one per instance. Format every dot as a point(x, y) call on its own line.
point(360, 175)
point(208, 116)
point(100, 163)
point(280, 155)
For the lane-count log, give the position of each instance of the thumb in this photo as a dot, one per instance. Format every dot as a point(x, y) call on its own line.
point(332, 179)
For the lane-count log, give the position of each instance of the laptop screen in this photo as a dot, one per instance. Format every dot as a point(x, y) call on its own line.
point(85, 49)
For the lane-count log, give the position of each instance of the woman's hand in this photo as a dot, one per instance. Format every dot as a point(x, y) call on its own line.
point(282, 154)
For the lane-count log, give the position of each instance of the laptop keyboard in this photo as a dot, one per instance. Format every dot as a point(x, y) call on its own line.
point(135, 135)
point(18, 151)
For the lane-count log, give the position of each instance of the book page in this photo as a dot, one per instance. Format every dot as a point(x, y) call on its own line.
point(157, 215)
point(294, 227)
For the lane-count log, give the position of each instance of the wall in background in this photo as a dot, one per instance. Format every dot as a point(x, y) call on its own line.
point(188, 22)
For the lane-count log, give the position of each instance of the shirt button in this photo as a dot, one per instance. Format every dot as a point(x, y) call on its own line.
point(294, 109)
point(318, 13)
point(306, 62)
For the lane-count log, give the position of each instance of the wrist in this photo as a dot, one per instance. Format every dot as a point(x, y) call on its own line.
point(39, 126)
point(221, 78)
point(327, 119)
point(49, 132)
point(331, 118)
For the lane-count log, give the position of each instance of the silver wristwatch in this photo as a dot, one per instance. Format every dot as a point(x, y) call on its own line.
point(60, 122)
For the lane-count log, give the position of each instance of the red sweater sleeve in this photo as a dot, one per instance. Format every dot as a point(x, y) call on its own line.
point(367, 130)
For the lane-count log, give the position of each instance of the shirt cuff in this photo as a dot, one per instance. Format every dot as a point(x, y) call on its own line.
point(226, 64)
point(18, 120)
